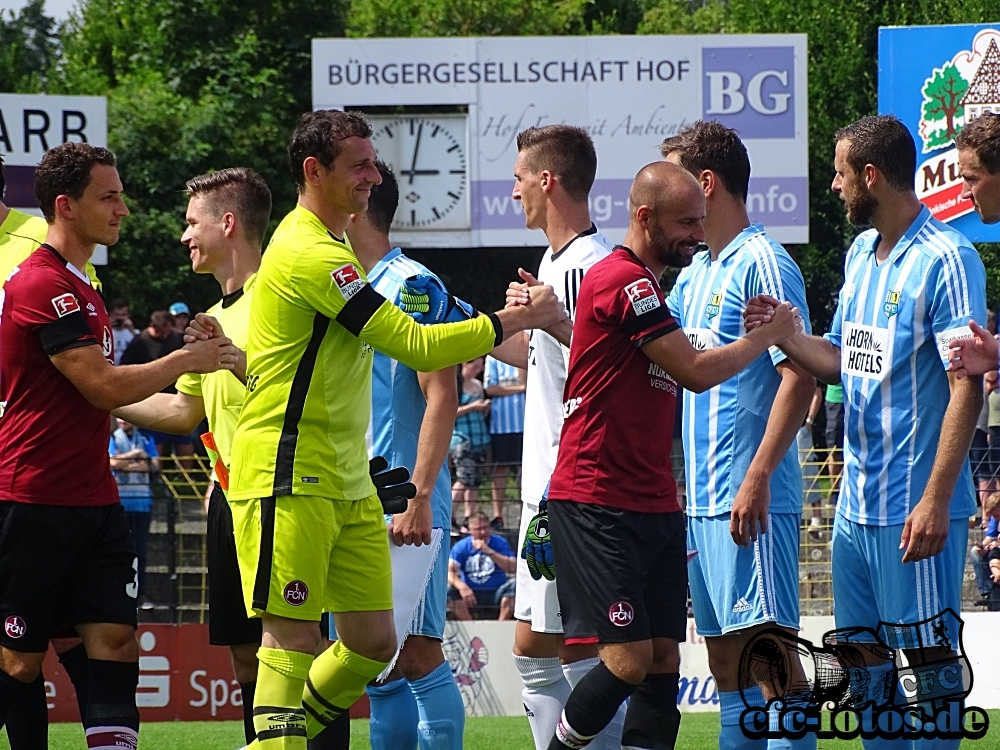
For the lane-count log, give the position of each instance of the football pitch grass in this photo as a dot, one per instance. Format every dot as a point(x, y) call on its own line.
point(699, 731)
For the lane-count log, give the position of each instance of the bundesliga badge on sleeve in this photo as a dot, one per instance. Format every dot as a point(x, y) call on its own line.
point(537, 548)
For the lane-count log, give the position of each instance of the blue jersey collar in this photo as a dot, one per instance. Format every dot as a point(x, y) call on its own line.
point(906, 240)
point(379, 268)
point(751, 231)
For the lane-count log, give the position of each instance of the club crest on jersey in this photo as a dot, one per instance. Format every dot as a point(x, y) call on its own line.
point(891, 304)
point(15, 627)
point(348, 280)
point(65, 304)
point(714, 305)
point(642, 296)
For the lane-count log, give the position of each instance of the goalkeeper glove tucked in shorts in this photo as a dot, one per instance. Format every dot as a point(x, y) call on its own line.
point(425, 300)
point(393, 486)
point(537, 548)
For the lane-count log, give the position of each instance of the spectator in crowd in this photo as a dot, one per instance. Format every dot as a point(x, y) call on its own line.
point(158, 340)
point(834, 438)
point(122, 329)
point(810, 469)
point(470, 441)
point(505, 388)
point(478, 569)
point(182, 316)
point(133, 460)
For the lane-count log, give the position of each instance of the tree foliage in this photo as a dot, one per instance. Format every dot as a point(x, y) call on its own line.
point(204, 84)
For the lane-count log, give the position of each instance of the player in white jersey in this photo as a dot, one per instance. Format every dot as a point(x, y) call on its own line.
point(739, 437)
point(555, 170)
point(911, 286)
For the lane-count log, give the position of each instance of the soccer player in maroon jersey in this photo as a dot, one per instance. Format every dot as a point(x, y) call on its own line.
point(66, 557)
point(617, 531)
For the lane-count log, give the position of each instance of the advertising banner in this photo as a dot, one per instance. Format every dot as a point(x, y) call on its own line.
point(936, 79)
point(447, 112)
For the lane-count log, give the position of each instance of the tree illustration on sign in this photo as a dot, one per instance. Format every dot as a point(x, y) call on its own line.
point(942, 102)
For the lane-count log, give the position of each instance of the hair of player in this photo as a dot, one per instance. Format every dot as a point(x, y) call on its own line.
point(160, 318)
point(991, 503)
point(565, 151)
point(3, 181)
point(318, 134)
point(237, 190)
point(982, 136)
point(65, 170)
point(885, 143)
point(384, 200)
point(714, 147)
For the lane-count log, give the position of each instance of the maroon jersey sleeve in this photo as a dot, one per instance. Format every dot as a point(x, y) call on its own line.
point(630, 298)
point(49, 308)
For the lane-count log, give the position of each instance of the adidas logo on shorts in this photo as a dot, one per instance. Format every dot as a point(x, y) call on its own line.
point(742, 605)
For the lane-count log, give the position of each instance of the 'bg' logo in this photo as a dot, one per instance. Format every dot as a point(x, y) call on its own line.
point(750, 89)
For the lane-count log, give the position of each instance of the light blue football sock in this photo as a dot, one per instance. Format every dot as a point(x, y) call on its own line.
point(731, 706)
point(393, 716)
point(806, 742)
point(441, 710)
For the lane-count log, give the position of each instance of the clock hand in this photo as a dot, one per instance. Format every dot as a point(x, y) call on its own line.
point(421, 172)
point(416, 150)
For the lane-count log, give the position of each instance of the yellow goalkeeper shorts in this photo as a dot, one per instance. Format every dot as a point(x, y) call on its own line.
point(302, 555)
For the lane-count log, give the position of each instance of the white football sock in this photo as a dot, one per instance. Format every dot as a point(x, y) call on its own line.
point(544, 695)
point(610, 738)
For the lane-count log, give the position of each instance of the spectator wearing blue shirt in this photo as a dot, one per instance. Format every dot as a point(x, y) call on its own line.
point(979, 554)
point(133, 460)
point(478, 568)
point(504, 385)
point(470, 441)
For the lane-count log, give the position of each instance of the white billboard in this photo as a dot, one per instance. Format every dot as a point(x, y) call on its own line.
point(462, 101)
point(30, 124)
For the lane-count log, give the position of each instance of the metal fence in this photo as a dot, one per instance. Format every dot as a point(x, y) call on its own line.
point(176, 559)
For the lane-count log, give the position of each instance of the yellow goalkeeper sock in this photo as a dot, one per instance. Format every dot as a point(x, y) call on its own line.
point(337, 679)
point(278, 716)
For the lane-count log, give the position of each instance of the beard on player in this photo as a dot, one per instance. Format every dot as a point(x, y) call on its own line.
point(672, 252)
point(861, 206)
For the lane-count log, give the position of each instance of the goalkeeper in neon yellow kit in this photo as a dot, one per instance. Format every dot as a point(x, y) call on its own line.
point(310, 531)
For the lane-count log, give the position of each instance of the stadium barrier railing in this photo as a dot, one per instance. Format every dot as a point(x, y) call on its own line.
point(176, 566)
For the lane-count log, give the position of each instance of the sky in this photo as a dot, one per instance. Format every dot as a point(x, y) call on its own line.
point(58, 9)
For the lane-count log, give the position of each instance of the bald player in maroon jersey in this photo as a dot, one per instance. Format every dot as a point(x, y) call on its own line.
point(617, 530)
point(66, 557)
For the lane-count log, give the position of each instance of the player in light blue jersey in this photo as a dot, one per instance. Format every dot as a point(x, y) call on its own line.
point(740, 454)
point(911, 286)
point(412, 419)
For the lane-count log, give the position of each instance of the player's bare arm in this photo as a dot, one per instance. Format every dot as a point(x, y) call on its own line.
point(976, 355)
point(513, 351)
point(108, 387)
point(750, 506)
point(414, 526)
point(175, 413)
point(700, 370)
point(814, 354)
point(926, 529)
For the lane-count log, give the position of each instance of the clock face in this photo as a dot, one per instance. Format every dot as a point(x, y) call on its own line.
point(427, 153)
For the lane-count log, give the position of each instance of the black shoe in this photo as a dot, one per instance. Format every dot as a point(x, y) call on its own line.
point(497, 524)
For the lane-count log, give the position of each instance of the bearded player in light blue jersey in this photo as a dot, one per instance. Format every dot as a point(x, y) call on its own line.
point(742, 471)
point(412, 419)
point(911, 286)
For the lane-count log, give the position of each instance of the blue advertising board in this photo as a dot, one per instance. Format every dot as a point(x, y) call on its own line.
point(935, 79)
